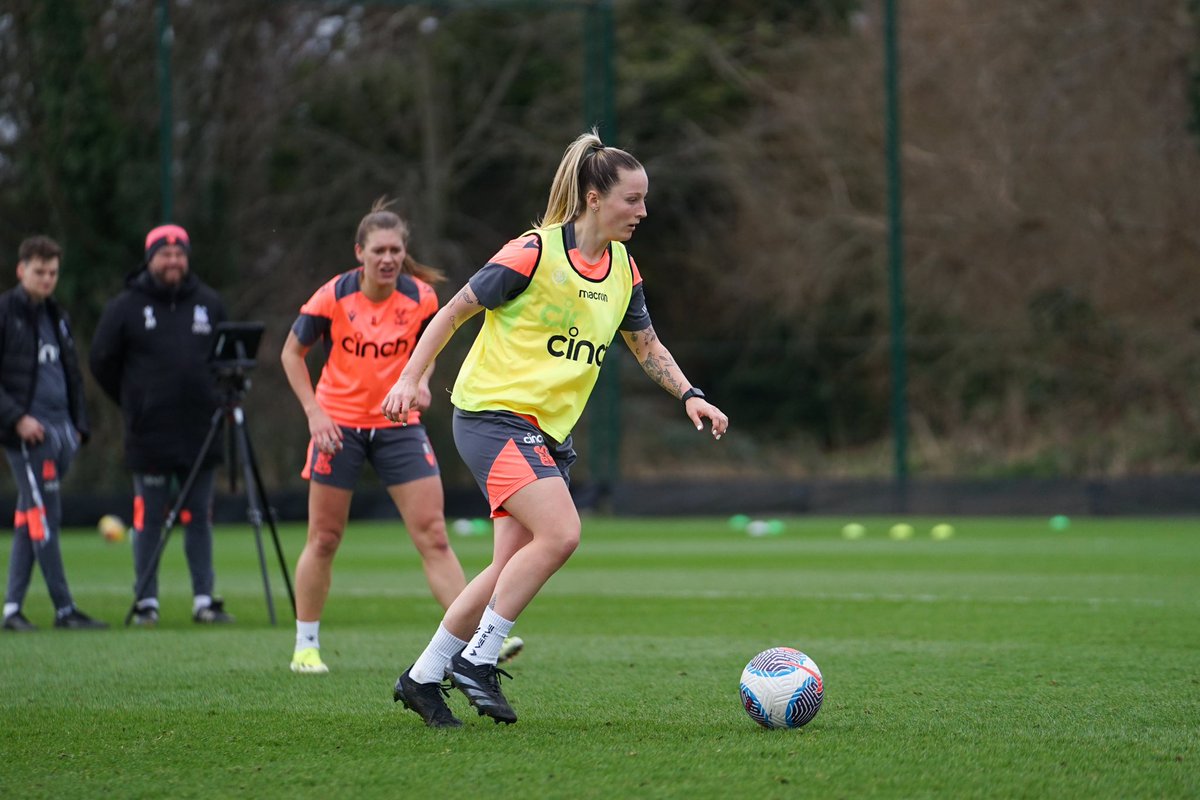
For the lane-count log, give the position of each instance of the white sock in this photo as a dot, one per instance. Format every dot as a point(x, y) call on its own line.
point(12, 608)
point(431, 666)
point(308, 635)
point(485, 644)
point(201, 601)
point(149, 602)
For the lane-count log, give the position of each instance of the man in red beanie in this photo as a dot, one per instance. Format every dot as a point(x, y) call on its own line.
point(150, 355)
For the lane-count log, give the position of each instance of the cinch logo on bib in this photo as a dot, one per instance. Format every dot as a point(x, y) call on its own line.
point(576, 349)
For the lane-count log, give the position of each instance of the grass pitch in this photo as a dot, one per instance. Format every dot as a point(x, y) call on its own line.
point(1008, 661)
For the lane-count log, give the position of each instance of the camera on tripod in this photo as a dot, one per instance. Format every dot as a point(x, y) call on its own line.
point(234, 347)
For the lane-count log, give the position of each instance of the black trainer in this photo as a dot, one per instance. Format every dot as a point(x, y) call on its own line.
point(481, 684)
point(213, 614)
point(16, 622)
point(427, 699)
point(79, 621)
point(146, 617)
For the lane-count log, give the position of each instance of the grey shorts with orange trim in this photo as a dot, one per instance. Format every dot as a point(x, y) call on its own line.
point(399, 455)
point(506, 452)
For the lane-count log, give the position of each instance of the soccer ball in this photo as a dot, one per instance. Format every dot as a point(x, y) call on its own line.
point(782, 688)
point(112, 528)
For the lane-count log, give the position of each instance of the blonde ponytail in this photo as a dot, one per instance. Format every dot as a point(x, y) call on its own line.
point(586, 164)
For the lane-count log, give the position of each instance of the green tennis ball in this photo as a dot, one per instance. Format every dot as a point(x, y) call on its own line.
point(942, 531)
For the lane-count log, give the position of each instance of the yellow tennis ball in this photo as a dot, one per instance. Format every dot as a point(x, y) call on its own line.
point(853, 530)
point(900, 531)
point(942, 531)
point(112, 528)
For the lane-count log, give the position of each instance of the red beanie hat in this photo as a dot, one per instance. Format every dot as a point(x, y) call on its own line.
point(164, 235)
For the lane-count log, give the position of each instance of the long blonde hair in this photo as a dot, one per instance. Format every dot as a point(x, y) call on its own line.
point(380, 218)
point(586, 164)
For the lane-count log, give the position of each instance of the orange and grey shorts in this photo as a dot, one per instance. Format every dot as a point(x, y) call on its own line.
point(506, 452)
point(399, 455)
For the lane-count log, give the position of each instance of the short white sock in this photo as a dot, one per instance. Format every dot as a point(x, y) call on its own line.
point(201, 601)
point(148, 602)
point(12, 608)
point(308, 635)
point(431, 666)
point(485, 644)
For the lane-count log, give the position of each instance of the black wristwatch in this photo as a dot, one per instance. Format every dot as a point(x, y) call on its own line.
point(692, 392)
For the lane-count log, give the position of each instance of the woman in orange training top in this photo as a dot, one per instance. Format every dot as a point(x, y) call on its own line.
point(555, 297)
point(369, 319)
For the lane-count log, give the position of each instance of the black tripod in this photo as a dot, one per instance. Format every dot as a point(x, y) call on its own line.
point(234, 384)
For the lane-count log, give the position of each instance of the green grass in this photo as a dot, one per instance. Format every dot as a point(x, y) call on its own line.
point(1009, 661)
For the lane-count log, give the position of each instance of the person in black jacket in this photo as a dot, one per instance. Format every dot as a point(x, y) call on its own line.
point(43, 420)
point(150, 354)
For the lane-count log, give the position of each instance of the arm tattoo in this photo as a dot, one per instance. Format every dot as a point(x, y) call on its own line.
point(662, 370)
point(467, 297)
point(657, 362)
point(643, 338)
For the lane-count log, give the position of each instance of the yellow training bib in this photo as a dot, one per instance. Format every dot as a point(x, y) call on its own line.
point(540, 353)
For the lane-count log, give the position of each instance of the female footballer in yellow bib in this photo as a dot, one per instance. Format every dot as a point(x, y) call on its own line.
point(555, 297)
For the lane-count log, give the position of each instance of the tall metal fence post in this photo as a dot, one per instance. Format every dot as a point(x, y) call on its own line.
point(599, 109)
point(895, 199)
point(166, 38)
